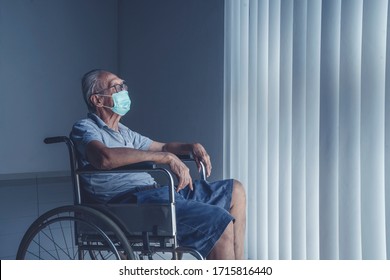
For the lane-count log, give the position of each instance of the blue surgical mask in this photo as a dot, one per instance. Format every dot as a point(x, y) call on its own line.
point(122, 102)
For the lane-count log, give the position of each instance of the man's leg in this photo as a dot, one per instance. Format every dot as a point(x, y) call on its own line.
point(224, 248)
point(238, 211)
point(231, 243)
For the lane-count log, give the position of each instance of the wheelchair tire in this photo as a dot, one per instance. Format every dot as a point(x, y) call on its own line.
point(74, 232)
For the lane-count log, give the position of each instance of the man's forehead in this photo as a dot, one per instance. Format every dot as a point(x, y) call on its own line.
point(111, 79)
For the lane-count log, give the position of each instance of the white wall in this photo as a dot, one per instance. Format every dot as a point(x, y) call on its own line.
point(171, 53)
point(45, 48)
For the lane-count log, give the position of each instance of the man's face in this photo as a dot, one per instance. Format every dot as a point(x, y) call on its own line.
point(108, 85)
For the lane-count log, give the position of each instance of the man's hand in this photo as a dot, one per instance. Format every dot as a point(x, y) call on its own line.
point(200, 155)
point(174, 148)
point(181, 171)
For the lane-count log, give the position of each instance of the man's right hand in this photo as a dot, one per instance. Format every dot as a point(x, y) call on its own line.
point(181, 171)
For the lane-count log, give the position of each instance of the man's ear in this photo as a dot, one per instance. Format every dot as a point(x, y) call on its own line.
point(96, 100)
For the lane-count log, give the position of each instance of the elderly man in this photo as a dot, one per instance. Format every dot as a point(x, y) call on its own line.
point(210, 216)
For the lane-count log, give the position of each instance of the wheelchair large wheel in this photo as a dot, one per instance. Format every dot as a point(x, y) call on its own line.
point(74, 232)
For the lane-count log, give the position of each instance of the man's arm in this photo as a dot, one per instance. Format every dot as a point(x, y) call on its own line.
point(102, 157)
point(197, 150)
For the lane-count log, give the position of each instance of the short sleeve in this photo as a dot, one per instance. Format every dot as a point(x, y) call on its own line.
point(139, 141)
point(83, 132)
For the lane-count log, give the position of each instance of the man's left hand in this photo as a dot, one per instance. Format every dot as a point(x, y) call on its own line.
point(200, 155)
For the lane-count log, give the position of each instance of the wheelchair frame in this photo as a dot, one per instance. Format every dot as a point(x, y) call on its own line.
point(105, 231)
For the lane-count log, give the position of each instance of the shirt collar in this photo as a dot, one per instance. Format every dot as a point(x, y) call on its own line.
point(97, 120)
point(100, 123)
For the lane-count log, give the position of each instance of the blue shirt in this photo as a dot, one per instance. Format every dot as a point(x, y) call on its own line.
point(105, 186)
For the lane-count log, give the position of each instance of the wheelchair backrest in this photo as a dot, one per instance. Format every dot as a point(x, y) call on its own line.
point(73, 164)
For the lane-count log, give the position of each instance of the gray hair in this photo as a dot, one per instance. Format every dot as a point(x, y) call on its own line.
point(90, 83)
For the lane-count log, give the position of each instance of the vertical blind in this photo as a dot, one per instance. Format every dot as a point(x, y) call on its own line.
point(307, 125)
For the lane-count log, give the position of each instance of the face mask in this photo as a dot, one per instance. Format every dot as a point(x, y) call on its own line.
point(122, 102)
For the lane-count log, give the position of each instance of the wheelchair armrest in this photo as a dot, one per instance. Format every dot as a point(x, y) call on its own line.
point(189, 157)
point(56, 139)
point(141, 166)
point(146, 166)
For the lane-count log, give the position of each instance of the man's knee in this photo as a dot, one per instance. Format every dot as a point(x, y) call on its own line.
point(239, 195)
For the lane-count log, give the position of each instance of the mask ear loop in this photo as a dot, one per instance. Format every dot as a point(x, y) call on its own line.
point(104, 95)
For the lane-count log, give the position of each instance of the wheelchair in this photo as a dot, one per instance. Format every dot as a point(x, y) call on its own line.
point(84, 231)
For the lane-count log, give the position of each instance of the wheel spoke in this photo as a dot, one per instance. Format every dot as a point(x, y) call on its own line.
point(57, 247)
point(74, 232)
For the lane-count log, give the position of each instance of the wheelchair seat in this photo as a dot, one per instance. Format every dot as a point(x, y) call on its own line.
point(105, 231)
